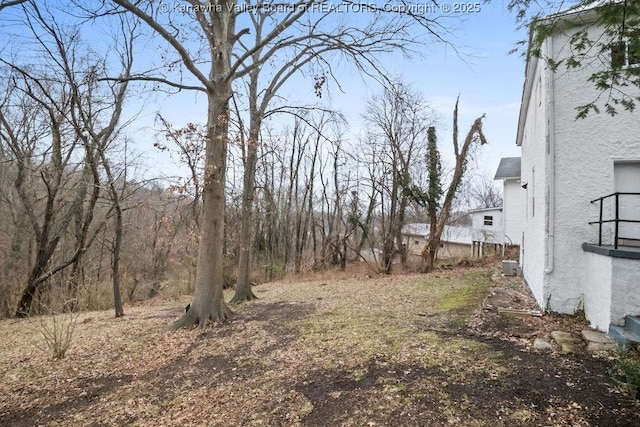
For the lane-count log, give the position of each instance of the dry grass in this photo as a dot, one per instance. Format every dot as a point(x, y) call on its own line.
point(325, 349)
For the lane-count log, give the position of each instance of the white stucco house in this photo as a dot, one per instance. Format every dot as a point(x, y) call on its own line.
point(495, 228)
point(568, 167)
point(508, 172)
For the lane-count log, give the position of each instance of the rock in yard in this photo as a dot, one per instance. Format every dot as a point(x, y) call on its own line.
point(595, 336)
point(597, 347)
point(567, 341)
point(541, 345)
point(597, 341)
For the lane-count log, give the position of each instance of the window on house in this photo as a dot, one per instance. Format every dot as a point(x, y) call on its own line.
point(625, 54)
point(488, 220)
point(416, 242)
point(441, 245)
point(633, 53)
point(617, 55)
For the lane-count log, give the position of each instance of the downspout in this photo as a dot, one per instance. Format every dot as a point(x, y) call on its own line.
point(551, 155)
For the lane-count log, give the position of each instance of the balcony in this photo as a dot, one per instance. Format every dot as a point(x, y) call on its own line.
point(619, 233)
point(611, 267)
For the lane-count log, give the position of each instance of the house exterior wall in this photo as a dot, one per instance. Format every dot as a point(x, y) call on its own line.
point(454, 250)
point(447, 250)
point(584, 157)
point(566, 163)
point(597, 290)
point(533, 249)
point(611, 289)
point(487, 233)
point(625, 296)
point(415, 244)
point(512, 213)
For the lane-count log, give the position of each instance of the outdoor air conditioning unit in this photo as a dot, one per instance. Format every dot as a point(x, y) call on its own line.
point(509, 267)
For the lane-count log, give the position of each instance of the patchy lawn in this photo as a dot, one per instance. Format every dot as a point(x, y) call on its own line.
point(339, 350)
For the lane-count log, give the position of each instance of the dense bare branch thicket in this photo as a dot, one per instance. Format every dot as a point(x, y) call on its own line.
point(58, 127)
point(272, 187)
point(399, 119)
point(208, 41)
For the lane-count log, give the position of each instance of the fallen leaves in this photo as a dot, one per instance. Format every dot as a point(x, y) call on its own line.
point(325, 351)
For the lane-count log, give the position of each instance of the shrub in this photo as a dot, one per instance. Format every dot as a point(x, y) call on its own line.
point(58, 332)
point(627, 372)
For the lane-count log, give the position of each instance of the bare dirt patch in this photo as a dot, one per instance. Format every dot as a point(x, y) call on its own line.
point(329, 350)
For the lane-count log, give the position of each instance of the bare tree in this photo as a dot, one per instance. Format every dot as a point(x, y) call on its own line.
point(474, 135)
point(9, 3)
point(306, 50)
point(400, 120)
point(78, 118)
point(99, 136)
point(217, 29)
point(481, 191)
point(45, 108)
point(212, 25)
point(190, 143)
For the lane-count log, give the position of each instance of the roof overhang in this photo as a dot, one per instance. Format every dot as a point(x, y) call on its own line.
point(509, 168)
point(495, 208)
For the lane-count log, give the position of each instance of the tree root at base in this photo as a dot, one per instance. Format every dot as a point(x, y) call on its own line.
point(191, 317)
point(239, 299)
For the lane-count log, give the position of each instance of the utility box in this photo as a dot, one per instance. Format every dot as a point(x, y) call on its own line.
point(510, 268)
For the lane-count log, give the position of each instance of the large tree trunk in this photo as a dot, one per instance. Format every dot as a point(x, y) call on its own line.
point(117, 246)
point(208, 300)
point(243, 282)
point(28, 294)
point(431, 249)
point(434, 193)
point(402, 249)
point(117, 242)
point(388, 248)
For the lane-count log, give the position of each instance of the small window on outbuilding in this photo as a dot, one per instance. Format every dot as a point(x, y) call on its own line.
point(488, 220)
point(416, 242)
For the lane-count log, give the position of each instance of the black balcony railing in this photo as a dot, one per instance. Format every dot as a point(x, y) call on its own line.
point(616, 218)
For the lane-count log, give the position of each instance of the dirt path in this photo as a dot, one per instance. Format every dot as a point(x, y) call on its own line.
point(399, 350)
